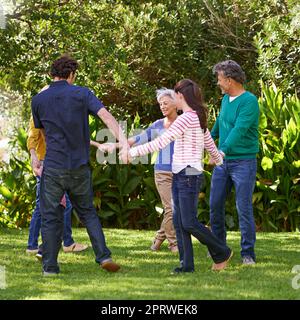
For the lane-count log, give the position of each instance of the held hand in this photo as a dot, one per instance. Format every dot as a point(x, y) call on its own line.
point(124, 152)
point(130, 159)
point(36, 165)
point(222, 154)
point(39, 172)
point(211, 162)
point(124, 155)
point(132, 154)
point(107, 147)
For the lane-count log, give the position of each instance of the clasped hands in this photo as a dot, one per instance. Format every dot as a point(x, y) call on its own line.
point(212, 162)
point(111, 147)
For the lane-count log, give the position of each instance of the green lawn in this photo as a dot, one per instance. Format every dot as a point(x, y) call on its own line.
point(146, 274)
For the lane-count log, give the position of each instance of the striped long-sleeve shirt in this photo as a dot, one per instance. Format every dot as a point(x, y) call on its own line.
point(190, 142)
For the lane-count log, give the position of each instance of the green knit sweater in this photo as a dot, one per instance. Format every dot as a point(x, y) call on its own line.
point(237, 127)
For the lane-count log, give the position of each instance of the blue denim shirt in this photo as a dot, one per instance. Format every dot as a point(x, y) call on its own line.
point(165, 156)
point(63, 111)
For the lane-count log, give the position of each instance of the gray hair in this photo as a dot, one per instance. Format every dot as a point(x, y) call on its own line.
point(165, 92)
point(230, 69)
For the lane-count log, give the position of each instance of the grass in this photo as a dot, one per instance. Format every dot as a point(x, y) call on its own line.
point(146, 275)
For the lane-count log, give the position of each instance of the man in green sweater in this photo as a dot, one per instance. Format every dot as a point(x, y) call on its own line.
point(237, 130)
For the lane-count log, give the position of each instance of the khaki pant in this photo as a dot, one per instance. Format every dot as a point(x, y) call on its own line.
point(163, 181)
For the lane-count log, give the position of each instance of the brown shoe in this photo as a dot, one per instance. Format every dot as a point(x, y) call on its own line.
point(110, 266)
point(173, 248)
point(75, 247)
point(222, 265)
point(156, 245)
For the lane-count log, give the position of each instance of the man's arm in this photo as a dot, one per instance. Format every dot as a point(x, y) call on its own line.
point(116, 130)
point(34, 111)
point(209, 145)
point(215, 130)
point(147, 135)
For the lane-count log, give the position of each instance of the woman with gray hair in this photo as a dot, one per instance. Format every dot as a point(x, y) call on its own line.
point(163, 166)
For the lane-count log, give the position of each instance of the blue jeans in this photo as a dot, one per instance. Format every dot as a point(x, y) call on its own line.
point(78, 184)
point(185, 190)
point(35, 223)
point(241, 174)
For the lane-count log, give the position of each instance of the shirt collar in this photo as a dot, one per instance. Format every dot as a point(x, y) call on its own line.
point(59, 83)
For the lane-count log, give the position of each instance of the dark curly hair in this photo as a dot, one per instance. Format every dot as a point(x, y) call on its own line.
point(63, 66)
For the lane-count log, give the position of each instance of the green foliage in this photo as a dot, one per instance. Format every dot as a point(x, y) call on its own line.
point(17, 190)
point(125, 196)
point(127, 49)
point(278, 49)
point(277, 195)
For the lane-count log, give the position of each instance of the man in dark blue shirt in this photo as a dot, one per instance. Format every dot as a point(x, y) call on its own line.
point(62, 113)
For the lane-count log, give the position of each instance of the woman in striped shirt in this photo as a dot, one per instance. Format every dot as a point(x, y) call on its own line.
point(191, 137)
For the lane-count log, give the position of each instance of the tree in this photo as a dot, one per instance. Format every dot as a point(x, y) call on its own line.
point(127, 49)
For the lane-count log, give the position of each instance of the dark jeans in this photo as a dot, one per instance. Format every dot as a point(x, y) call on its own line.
point(35, 223)
point(240, 174)
point(78, 184)
point(185, 191)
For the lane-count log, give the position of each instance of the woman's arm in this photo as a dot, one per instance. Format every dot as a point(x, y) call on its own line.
point(210, 146)
point(179, 126)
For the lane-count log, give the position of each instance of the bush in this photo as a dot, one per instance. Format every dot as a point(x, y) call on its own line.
point(279, 49)
point(127, 49)
point(277, 197)
point(17, 186)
